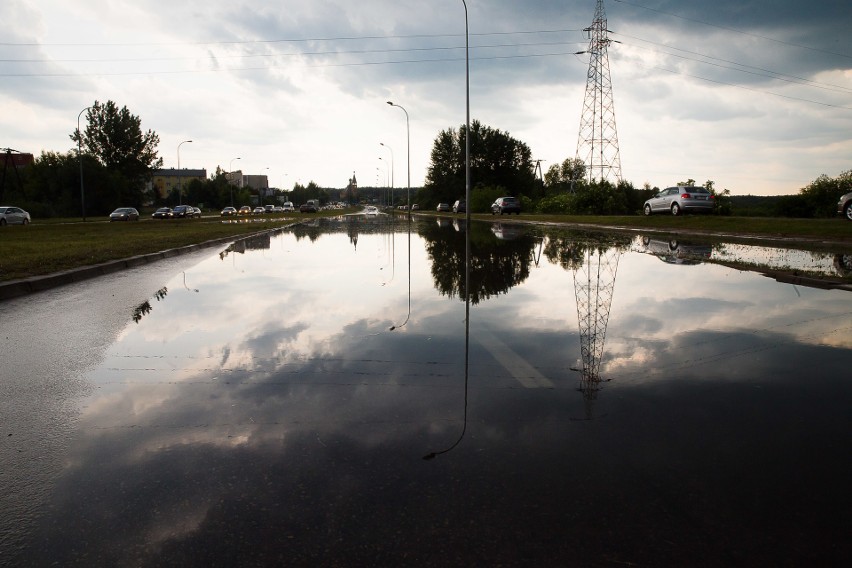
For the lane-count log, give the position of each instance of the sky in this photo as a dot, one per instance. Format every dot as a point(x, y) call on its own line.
point(754, 95)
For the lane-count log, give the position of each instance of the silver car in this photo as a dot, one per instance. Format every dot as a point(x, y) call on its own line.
point(844, 206)
point(680, 199)
point(13, 216)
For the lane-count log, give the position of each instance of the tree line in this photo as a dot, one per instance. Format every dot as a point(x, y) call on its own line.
point(117, 159)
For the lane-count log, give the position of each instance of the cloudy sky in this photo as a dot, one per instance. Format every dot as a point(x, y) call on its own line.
point(753, 94)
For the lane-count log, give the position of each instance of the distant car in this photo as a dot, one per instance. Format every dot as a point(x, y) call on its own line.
point(460, 206)
point(371, 210)
point(245, 210)
point(124, 214)
point(288, 206)
point(415, 207)
point(13, 216)
point(228, 211)
point(259, 210)
point(443, 208)
point(278, 209)
point(269, 208)
point(844, 206)
point(197, 212)
point(307, 208)
point(162, 213)
point(507, 205)
point(680, 199)
point(183, 212)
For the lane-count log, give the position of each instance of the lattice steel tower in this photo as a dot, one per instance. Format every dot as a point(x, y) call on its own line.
point(597, 144)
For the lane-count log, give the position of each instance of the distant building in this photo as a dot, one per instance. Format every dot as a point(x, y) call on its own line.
point(351, 191)
point(255, 182)
point(164, 181)
point(16, 159)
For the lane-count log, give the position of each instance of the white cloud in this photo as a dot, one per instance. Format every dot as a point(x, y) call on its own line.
point(755, 96)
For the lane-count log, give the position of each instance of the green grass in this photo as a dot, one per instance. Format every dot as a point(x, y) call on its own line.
point(44, 248)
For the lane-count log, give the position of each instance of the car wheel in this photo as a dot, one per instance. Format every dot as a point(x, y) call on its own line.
point(675, 209)
point(848, 211)
point(2, 222)
point(647, 210)
point(26, 222)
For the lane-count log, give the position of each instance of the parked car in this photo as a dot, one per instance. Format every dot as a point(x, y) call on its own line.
point(307, 208)
point(844, 206)
point(162, 213)
point(13, 216)
point(228, 211)
point(245, 210)
point(124, 214)
point(197, 212)
point(460, 206)
point(680, 199)
point(183, 212)
point(443, 208)
point(507, 205)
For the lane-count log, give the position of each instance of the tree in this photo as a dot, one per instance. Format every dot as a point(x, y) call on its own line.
point(114, 137)
point(496, 159)
point(821, 195)
point(565, 176)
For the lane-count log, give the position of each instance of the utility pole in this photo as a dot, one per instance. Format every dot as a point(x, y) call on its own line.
point(597, 143)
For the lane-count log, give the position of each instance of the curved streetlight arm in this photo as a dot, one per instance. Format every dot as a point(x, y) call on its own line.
point(180, 188)
point(408, 149)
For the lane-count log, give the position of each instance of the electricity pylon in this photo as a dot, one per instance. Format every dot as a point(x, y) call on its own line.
point(594, 284)
point(597, 144)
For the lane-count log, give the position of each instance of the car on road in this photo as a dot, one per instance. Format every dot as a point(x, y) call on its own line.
point(307, 208)
point(162, 213)
point(10, 215)
point(124, 214)
point(844, 206)
point(460, 206)
point(680, 199)
point(288, 206)
point(268, 208)
point(228, 211)
point(443, 208)
point(245, 210)
point(183, 212)
point(259, 210)
point(507, 205)
point(197, 212)
point(371, 210)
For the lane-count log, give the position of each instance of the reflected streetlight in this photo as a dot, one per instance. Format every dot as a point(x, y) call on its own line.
point(408, 149)
point(180, 189)
point(391, 184)
point(230, 181)
point(80, 157)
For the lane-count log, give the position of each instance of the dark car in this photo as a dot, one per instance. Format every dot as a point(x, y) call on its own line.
point(307, 208)
point(124, 214)
point(13, 216)
point(162, 213)
point(844, 206)
point(507, 205)
point(460, 206)
point(680, 199)
point(184, 212)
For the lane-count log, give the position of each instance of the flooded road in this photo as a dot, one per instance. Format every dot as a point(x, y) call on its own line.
point(365, 391)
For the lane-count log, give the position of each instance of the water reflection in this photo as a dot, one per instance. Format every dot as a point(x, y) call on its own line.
point(145, 307)
point(280, 421)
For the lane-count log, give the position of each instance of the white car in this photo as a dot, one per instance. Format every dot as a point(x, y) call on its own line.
point(13, 216)
point(288, 206)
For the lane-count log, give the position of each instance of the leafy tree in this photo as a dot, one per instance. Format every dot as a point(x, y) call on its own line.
point(821, 195)
point(496, 159)
point(563, 177)
point(114, 137)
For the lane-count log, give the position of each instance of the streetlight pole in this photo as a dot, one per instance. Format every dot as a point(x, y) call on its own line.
point(230, 183)
point(180, 188)
point(391, 184)
point(80, 158)
point(467, 118)
point(408, 149)
point(387, 170)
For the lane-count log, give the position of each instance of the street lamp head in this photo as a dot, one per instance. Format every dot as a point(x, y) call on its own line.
point(390, 103)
